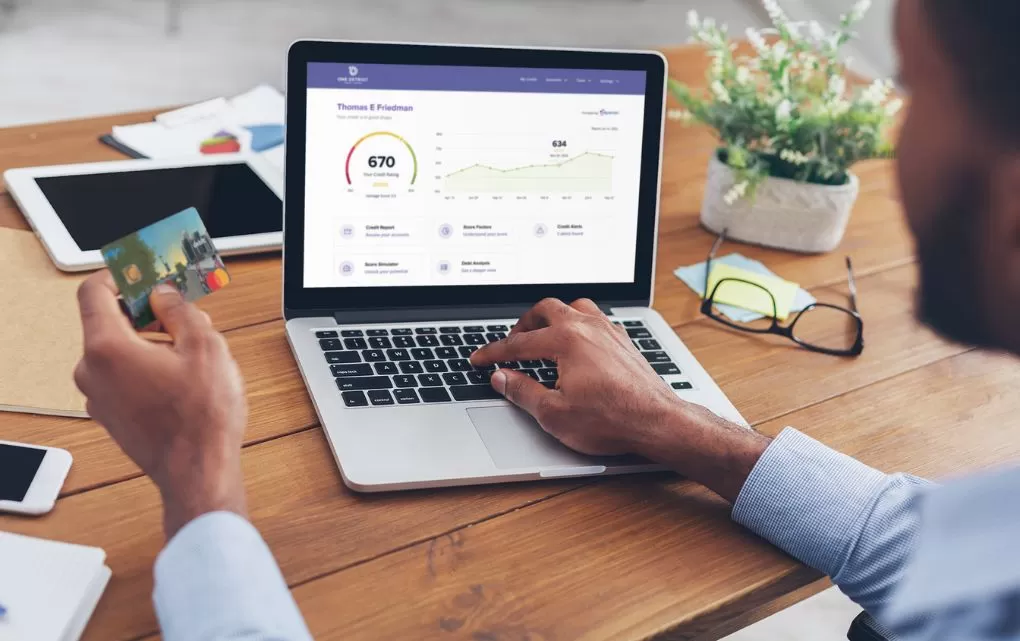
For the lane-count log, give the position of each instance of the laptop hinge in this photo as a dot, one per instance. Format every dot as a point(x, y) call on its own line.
point(426, 314)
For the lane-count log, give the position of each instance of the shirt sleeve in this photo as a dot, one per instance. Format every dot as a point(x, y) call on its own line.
point(217, 580)
point(835, 514)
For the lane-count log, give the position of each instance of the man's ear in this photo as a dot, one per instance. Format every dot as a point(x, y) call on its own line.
point(1002, 250)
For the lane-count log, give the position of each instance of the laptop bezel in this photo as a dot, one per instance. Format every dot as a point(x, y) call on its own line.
point(304, 301)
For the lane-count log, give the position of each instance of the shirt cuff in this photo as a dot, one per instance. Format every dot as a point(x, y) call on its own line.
point(808, 500)
point(217, 579)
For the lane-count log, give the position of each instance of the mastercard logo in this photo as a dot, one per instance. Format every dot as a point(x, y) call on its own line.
point(217, 279)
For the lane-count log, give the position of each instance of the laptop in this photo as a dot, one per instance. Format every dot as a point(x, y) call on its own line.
point(433, 193)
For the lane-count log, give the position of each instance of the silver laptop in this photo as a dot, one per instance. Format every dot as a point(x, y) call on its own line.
point(433, 194)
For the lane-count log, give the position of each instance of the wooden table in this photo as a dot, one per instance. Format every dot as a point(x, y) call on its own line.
point(627, 558)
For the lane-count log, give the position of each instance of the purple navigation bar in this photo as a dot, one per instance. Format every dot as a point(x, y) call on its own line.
point(332, 75)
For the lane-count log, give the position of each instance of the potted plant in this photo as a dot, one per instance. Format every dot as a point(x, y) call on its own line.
point(790, 128)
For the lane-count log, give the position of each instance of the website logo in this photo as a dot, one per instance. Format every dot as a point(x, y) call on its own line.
point(353, 77)
point(352, 70)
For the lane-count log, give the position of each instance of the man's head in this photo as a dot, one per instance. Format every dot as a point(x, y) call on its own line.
point(959, 164)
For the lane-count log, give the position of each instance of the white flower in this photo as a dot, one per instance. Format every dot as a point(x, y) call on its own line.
point(784, 112)
point(743, 75)
point(837, 107)
point(680, 115)
point(736, 192)
point(837, 86)
point(757, 41)
point(893, 107)
point(877, 92)
point(794, 157)
point(779, 51)
point(717, 62)
point(692, 20)
point(816, 31)
point(859, 10)
point(775, 11)
point(720, 93)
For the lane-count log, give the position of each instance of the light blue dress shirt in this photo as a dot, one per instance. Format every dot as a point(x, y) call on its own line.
point(931, 562)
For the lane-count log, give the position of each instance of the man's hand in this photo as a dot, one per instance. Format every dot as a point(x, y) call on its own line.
point(178, 410)
point(609, 400)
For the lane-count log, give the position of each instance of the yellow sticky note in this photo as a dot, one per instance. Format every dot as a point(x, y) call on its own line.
point(749, 297)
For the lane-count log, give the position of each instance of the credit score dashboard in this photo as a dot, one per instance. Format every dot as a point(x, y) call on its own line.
point(441, 175)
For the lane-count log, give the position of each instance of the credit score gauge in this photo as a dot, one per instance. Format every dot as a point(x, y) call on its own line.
point(381, 160)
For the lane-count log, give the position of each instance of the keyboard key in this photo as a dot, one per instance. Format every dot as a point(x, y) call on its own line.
point(498, 328)
point(435, 366)
point(548, 374)
point(549, 384)
point(530, 372)
point(405, 380)
point(486, 368)
point(474, 329)
point(385, 368)
point(343, 357)
point(377, 332)
point(548, 363)
point(326, 334)
point(656, 357)
point(663, 369)
point(451, 339)
point(430, 380)
point(446, 353)
point(455, 378)
point(422, 354)
point(509, 364)
point(495, 336)
point(351, 333)
point(633, 324)
point(372, 355)
point(639, 333)
point(434, 395)
point(411, 367)
point(364, 383)
point(531, 364)
point(405, 396)
point(355, 343)
point(354, 399)
point(403, 341)
point(474, 339)
point(427, 341)
point(361, 369)
point(682, 385)
point(467, 350)
point(425, 330)
point(402, 331)
point(459, 365)
point(649, 344)
point(328, 344)
point(380, 397)
point(398, 355)
point(380, 342)
point(449, 330)
point(474, 393)
point(478, 377)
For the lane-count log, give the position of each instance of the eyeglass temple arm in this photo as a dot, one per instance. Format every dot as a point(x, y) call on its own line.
point(711, 255)
point(853, 283)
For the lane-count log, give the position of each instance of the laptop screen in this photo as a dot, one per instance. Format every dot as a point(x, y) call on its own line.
point(427, 175)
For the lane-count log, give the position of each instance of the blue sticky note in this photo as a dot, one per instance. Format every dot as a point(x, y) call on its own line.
point(265, 137)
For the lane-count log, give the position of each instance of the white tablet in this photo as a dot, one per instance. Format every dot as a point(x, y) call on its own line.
point(76, 209)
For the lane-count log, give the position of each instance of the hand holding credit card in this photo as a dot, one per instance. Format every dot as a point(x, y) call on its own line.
point(176, 250)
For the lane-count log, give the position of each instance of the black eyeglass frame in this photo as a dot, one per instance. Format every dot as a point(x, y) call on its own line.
point(775, 328)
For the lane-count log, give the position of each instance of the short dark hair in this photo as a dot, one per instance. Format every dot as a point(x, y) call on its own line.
point(981, 39)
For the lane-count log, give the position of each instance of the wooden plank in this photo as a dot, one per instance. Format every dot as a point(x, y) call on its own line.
point(277, 399)
point(632, 558)
point(298, 502)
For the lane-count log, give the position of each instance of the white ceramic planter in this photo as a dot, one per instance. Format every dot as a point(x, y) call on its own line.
point(785, 213)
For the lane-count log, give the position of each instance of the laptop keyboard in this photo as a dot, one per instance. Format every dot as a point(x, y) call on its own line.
point(404, 365)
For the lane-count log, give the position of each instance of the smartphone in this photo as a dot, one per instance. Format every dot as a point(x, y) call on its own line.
point(31, 477)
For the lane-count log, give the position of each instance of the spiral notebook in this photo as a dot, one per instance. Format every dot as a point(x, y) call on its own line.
point(48, 589)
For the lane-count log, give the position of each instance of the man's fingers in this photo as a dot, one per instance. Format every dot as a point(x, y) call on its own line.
point(546, 312)
point(587, 306)
point(521, 390)
point(528, 346)
point(101, 316)
point(182, 320)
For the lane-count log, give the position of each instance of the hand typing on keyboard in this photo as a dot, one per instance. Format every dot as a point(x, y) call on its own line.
point(610, 400)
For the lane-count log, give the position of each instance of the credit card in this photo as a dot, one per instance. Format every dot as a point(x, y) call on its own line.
point(176, 250)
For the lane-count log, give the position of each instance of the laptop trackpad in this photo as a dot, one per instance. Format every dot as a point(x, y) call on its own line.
point(516, 440)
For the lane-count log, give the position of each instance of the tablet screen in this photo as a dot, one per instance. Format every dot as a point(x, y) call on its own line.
point(99, 208)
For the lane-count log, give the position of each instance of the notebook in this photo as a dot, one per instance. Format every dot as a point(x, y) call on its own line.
point(41, 340)
point(49, 589)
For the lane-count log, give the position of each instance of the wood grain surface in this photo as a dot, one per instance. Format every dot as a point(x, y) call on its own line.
point(634, 558)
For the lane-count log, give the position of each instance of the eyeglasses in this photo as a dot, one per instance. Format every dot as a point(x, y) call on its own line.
point(819, 327)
